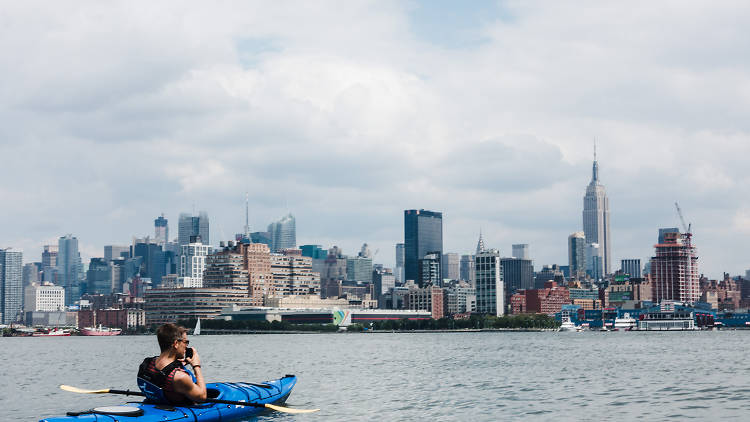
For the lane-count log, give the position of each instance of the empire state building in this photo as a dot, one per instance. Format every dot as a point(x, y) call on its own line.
point(596, 218)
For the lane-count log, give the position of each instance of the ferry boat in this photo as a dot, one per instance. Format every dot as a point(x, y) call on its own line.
point(626, 323)
point(100, 331)
point(667, 321)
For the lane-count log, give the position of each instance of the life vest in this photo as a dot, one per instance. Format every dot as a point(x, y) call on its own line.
point(156, 384)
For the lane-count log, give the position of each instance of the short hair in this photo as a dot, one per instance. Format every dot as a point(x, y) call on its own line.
point(168, 333)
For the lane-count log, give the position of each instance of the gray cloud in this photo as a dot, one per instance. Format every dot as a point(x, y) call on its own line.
point(346, 114)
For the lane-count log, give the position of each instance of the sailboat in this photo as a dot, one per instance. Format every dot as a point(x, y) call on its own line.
point(197, 329)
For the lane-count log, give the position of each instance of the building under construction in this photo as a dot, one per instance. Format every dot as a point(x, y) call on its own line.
point(674, 270)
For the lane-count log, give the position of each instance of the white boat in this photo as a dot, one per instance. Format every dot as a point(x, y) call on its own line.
point(100, 331)
point(668, 321)
point(197, 329)
point(626, 323)
point(55, 332)
point(568, 325)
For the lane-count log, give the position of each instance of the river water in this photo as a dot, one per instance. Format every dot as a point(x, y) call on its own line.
point(480, 376)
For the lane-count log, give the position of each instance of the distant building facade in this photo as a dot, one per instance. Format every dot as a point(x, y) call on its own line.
point(430, 272)
point(577, 255)
point(521, 251)
point(451, 266)
point(398, 272)
point(518, 274)
point(112, 252)
point(664, 231)
point(428, 298)
point(489, 283)
point(334, 272)
point(193, 263)
point(193, 225)
point(49, 263)
point(45, 297)
point(98, 277)
point(466, 269)
point(674, 270)
point(11, 285)
point(283, 233)
point(596, 219)
point(293, 275)
point(594, 261)
point(69, 268)
point(384, 280)
point(423, 234)
point(161, 230)
point(632, 267)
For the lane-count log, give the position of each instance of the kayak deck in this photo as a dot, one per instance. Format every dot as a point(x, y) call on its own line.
point(269, 392)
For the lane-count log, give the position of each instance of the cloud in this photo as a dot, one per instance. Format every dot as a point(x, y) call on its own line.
point(348, 113)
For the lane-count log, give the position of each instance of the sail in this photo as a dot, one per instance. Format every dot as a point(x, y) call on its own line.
point(197, 330)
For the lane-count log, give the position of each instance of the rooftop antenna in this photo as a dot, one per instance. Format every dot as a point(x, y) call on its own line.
point(594, 148)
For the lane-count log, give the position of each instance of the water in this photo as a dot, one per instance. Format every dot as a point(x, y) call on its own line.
point(430, 376)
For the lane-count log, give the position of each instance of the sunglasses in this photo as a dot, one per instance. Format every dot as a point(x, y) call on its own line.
point(184, 341)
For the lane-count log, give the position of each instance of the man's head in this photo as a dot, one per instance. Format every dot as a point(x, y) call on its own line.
point(170, 333)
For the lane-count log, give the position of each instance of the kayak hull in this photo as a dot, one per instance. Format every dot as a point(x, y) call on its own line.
point(269, 392)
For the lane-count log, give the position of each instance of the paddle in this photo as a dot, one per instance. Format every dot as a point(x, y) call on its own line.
point(238, 403)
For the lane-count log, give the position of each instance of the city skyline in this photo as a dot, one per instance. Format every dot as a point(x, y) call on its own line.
point(487, 117)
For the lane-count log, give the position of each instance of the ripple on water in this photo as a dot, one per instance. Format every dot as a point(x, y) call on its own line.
point(467, 376)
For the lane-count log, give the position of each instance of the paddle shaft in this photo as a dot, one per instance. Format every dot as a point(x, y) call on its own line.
point(208, 400)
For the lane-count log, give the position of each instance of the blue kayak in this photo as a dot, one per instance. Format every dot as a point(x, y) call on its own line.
point(269, 392)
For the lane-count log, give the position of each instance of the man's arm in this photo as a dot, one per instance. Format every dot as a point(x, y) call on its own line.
point(183, 383)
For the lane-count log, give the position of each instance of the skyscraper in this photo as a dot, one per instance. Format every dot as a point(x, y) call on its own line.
point(450, 266)
point(69, 267)
point(577, 255)
point(99, 277)
point(596, 217)
point(518, 273)
point(11, 284)
point(423, 234)
point(430, 270)
point(594, 261)
point(489, 280)
point(521, 251)
point(400, 263)
point(191, 225)
point(49, 263)
point(115, 252)
point(466, 270)
point(153, 264)
point(161, 230)
point(674, 270)
point(283, 233)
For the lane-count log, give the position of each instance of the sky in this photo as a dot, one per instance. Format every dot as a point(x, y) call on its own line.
point(347, 113)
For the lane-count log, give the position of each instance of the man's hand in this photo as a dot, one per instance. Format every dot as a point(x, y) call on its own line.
point(195, 359)
point(183, 383)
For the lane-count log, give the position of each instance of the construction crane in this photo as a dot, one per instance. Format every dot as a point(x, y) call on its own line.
point(686, 227)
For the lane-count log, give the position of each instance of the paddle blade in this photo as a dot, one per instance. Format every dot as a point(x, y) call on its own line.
point(81, 390)
point(289, 409)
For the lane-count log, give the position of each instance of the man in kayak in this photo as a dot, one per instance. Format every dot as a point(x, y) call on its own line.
point(165, 378)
